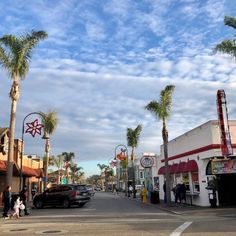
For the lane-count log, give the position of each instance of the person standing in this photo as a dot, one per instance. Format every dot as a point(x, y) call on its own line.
point(183, 192)
point(6, 201)
point(164, 189)
point(23, 196)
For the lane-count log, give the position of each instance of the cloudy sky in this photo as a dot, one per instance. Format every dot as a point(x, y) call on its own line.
point(105, 60)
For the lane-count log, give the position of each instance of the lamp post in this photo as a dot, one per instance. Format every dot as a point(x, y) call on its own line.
point(125, 150)
point(33, 128)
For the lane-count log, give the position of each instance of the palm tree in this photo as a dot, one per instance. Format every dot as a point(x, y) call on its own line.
point(58, 163)
point(15, 57)
point(228, 46)
point(67, 158)
point(102, 167)
point(49, 121)
point(74, 168)
point(162, 110)
point(133, 139)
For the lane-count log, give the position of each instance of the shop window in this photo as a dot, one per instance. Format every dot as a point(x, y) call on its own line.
point(195, 181)
point(185, 177)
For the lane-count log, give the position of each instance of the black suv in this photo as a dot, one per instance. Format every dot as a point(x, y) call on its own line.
point(63, 195)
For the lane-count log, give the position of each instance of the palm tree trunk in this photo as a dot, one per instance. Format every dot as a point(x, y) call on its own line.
point(47, 150)
point(133, 173)
point(14, 94)
point(167, 173)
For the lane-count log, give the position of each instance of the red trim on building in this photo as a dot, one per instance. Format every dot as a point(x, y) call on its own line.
point(27, 171)
point(191, 166)
point(195, 151)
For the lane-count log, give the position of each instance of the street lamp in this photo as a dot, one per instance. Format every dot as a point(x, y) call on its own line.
point(123, 149)
point(33, 128)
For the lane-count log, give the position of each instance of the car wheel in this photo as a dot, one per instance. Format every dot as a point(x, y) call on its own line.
point(81, 204)
point(66, 203)
point(38, 204)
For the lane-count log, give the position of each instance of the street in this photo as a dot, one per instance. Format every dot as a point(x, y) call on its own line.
point(109, 214)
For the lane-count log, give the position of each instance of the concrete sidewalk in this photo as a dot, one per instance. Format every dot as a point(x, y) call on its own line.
point(185, 209)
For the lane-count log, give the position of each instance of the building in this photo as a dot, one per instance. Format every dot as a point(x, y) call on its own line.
point(195, 158)
point(32, 166)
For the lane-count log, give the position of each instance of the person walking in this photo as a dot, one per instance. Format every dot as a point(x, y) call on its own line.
point(17, 206)
point(130, 190)
point(6, 201)
point(23, 197)
point(183, 192)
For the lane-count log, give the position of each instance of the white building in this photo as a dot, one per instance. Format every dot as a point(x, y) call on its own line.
point(194, 157)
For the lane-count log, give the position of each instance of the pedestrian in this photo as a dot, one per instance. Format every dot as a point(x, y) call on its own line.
point(176, 191)
point(183, 192)
point(6, 201)
point(130, 190)
point(164, 189)
point(23, 196)
point(17, 206)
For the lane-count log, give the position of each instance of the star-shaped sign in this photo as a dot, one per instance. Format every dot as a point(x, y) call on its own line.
point(34, 128)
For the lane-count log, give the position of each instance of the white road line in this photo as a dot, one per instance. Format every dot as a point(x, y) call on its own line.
point(181, 228)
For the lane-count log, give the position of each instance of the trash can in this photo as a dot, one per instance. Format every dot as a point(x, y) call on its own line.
point(154, 198)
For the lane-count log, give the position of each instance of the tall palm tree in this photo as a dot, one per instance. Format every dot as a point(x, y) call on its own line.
point(15, 57)
point(67, 158)
point(228, 46)
point(133, 136)
point(49, 121)
point(162, 111)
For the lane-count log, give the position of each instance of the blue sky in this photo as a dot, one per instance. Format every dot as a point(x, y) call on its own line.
point(105, 60)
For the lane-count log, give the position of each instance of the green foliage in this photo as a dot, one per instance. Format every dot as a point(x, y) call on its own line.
point(133, 136)
point(68, 156)
point(16, 52)
point(162, 109)
point(49, 121)
point(228, 46)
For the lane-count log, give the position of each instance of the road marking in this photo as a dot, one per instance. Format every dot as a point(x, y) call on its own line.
point(181, 228)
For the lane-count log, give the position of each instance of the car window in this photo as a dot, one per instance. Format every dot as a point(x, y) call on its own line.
point(81, 187)
point(63, 188)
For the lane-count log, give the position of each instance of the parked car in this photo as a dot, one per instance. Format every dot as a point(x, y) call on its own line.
point(97, 188)
point(62, 195)
point(90, 189)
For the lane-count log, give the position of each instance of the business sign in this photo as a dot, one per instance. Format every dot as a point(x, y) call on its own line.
point(146, 161)
point(223, 167)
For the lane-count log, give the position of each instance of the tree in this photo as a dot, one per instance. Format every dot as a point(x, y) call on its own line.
point(102, 167)
point(57, 161)
point(75, 169)
point(15, 57)
point(228, 46)
point(49, 121)
point(67, 158)
point(162, 111)
point(133, 136)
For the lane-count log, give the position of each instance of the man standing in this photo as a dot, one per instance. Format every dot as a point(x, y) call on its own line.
point(24, 196)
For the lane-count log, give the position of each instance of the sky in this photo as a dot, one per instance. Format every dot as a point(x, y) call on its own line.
point(105, 60)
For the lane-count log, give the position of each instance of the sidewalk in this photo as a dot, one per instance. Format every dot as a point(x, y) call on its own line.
point(186, 209)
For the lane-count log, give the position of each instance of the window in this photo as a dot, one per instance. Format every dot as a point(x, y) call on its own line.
point(195, 181)
point(186, 181)
point(141, 174)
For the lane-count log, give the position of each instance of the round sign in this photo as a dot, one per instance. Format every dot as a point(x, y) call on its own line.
point(146, 162)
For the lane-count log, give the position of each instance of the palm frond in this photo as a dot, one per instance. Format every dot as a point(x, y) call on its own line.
point(49, 121)
point(227, 46)
point(230, 21)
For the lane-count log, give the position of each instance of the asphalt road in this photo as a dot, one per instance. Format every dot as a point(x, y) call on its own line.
point(109, 214)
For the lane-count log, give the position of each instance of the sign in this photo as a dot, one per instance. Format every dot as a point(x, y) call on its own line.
point(223, 167)
point(64, 181)
point(146, 162)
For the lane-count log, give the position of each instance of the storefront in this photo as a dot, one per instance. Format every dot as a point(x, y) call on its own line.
point(195, 159)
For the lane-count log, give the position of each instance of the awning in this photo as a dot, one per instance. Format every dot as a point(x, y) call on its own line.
point(174, 168)
point(191, 166)
point(182, 167)
point(27, 171)
point(3, 166)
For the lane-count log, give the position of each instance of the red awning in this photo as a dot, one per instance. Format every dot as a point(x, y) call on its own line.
point(174, 168)
point(3, 165)
point(191, 166)
point(181, 167)
point(161, 171)
point(27, 171)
